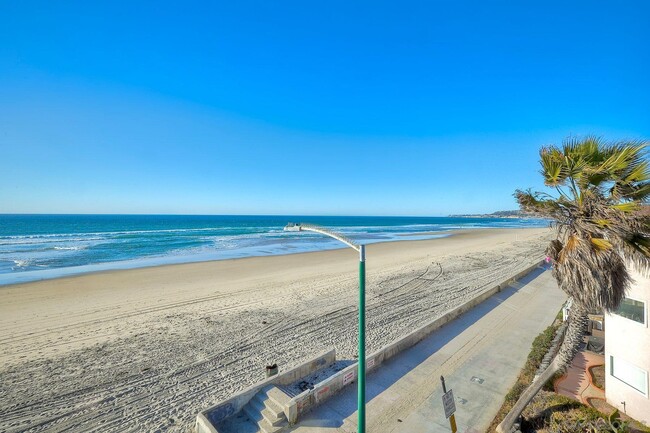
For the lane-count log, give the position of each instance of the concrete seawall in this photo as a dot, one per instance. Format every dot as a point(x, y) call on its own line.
point(206, 419)
point(311, 398)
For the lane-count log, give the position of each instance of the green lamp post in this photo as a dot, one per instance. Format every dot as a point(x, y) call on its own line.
point(361, 369)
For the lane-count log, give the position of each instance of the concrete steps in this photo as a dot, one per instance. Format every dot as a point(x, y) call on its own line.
point(266, 410)
point(238, 424)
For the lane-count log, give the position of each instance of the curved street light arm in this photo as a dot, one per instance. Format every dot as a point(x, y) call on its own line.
point(361, 368)
point(323, 231)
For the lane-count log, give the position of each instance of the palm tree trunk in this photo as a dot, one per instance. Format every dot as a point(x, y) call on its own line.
point(570, 346)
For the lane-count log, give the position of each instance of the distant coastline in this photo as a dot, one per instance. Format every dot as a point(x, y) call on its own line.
point(498, 214)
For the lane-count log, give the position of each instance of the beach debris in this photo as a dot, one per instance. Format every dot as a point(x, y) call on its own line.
point(271, 370)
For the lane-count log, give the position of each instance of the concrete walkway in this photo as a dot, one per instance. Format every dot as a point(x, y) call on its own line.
point(577, 383)
point(480, 354)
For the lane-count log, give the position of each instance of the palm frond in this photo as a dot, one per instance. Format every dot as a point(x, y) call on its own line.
point(621, 157)
point(553, 167)
point(635, 249)
point(600, 244)
point(601, 228)
point(629, 206)
point(536, 204)
point(637, 173)
point(639, 192)
point(597, 280)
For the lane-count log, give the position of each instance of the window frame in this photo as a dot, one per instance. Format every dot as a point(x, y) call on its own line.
point(645, 312)
point(613, 359)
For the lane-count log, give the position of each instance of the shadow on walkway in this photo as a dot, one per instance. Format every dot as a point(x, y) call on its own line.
point(577, 382)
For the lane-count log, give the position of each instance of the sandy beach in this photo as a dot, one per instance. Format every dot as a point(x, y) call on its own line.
point(144, 350)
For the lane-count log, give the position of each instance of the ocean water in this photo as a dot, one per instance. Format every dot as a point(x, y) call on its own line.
point(35, 247)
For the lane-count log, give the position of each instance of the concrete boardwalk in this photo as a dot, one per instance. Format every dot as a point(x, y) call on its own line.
point(480, 354)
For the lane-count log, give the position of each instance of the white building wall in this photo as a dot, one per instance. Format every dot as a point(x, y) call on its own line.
point(629, 341)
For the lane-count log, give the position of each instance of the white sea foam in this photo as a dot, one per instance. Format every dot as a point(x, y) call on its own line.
point(26, 254)
point(21, 263)
point(96, 236)
point(34, 240)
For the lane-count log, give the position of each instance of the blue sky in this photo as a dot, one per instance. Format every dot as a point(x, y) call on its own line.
point(353, 108)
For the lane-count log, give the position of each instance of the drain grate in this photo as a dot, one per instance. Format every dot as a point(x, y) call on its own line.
point(477, 380)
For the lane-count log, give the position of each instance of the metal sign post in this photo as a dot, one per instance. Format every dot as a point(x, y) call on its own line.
point(449, 404)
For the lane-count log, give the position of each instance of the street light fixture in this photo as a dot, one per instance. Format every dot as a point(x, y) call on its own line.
point(361, 368)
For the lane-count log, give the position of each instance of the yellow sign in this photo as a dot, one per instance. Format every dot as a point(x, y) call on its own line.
point(452, 423)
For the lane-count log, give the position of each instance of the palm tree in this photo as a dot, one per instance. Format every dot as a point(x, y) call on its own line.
point(597, 208)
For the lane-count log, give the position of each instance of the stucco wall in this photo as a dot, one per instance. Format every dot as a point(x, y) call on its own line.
point(629, 340)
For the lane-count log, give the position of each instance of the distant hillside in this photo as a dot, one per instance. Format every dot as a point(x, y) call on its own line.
point(497, 214)
point(645, 210)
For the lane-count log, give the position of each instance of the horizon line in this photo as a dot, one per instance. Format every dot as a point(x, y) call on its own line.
point(241, 214)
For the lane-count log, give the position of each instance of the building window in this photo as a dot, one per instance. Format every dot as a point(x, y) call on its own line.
point(629, 374)
point(595, 323)
point(632, 309)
